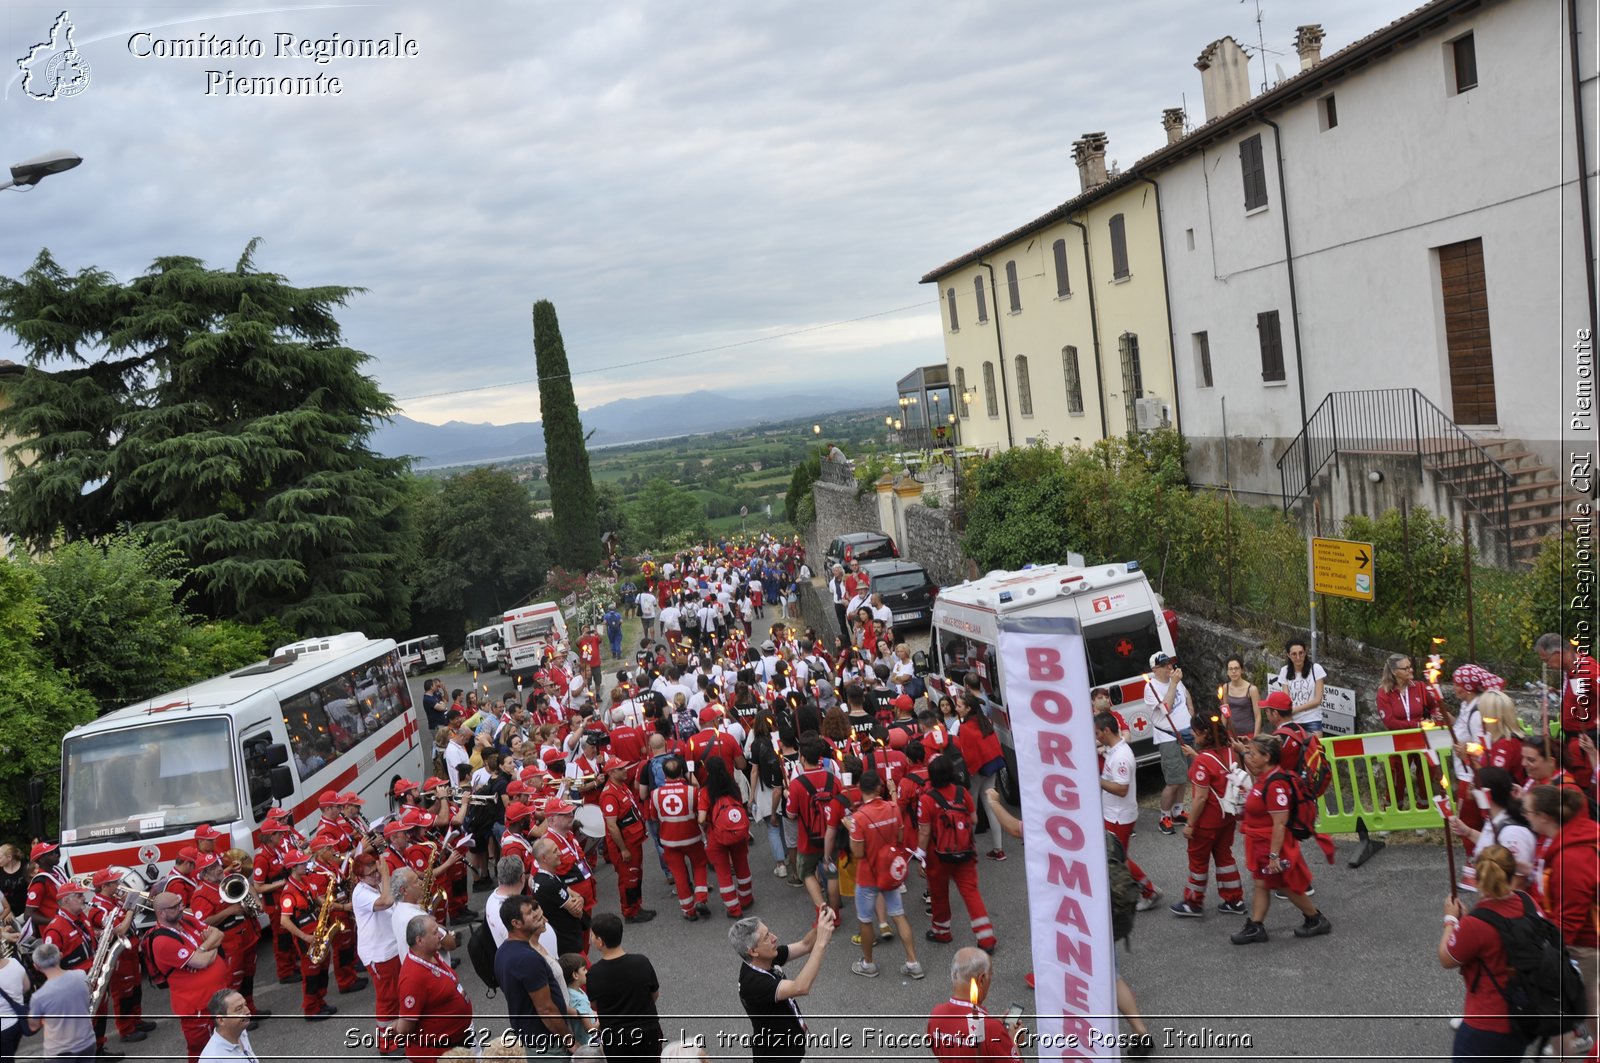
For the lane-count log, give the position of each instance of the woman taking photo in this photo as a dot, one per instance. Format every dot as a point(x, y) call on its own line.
point(1571, 879)
point(1503, 825)
point(1473, 945)
point(1270, 851)
point(980, 748)
point(1243, 700)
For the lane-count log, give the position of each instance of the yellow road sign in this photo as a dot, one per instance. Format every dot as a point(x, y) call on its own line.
point(1343, 567)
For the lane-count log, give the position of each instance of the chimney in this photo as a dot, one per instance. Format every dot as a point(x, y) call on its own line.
point(1090, 155)
point(1224, 77)
point(1308, 42)
point(1172, 120)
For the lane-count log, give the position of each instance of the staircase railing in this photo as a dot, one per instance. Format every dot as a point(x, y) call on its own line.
point(1398, 421)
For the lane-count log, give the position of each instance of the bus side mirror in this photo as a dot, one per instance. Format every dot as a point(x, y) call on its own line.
point(919, 662)
point(282, 782)
point(275, 754)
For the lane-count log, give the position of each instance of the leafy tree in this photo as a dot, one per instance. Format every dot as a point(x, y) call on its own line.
point(572, 498)
point(42, 703)
point(805, 474)
point(217, 412)
point(1017, 516)
point(664, 512)
point(483, 550)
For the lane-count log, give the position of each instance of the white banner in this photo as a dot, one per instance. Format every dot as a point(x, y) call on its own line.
point(1046, 689)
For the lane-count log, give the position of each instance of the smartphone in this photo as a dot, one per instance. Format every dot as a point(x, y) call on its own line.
point(1013, 1015)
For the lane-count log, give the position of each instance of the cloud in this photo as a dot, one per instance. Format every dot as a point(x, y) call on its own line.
point(672, 175)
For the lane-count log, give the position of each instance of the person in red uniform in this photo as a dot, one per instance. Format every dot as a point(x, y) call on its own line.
point(435, 1014)
point(298, 907)
point(588, 647)
point(399, 837)
point(515, 842)
point(725, 819)
point(181, 879)
point(40, 904)
point(269, 875)
point(713, 741)
point(126, 989)
point(586, 768)
point(206, 838)
point(1472, 944)
point(980, 749)
point(960, 1030)
point(1210, 830)
point(1405, 703)
point(1570, 877)
point(183, 953)
point(948, 855)
point(1271, 852)
point(327, 870)
point(1579, 674)
point(240, 933)
point(625, 838)
point(675, 803)
point(72, 933)
point(572, 867)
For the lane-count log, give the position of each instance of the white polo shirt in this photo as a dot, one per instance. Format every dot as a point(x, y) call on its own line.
point(374, 932)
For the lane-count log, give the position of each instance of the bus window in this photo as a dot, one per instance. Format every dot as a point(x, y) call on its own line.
point(333, 718)
point(178, 771)
point(963, 655)
point(257, 775)
point(1120, 649)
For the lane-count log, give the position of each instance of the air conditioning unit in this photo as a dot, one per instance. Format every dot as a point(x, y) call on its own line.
point(1150, 414)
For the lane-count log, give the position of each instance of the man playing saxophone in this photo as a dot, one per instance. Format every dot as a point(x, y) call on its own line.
point(329, 870)
point(236, 918)
point(126, 988)
point(299, 906)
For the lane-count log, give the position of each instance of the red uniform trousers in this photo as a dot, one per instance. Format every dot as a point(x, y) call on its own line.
point(457, 891)
point(239, 949)
point(126, 990)
point(343, 956)
point(684, 862)
point(386, 1001)
point(1124, 833)
point(314, 979)
point(630, 873)
point(732, 864)
point(965, 877)
point(1410, 767)
point(1213, 845)
point(285, 952)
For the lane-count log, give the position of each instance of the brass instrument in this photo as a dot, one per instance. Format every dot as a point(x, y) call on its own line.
point(112, 943)
point(327, 926)
point(236, 889)
point(431, 897)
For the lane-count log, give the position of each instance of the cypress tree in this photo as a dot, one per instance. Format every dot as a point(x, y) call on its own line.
point(572, 497)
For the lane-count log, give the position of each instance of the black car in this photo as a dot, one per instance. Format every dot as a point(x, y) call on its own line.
point(907, 590)
point(859, 546)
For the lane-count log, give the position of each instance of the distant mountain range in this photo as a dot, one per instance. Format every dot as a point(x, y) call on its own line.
point(622, 421)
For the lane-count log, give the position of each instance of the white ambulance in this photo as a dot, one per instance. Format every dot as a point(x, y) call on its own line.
point(526, 632)
point(1123, 623)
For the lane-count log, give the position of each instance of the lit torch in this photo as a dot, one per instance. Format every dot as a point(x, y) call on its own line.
point(1441, 800)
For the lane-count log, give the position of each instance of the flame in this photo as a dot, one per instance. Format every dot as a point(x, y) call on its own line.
point(1475, 749)
point(1221, 688)
point(972, 994)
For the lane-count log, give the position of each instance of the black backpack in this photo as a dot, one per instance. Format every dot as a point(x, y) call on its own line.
point(481, 950)
point(769, 765)
point(1544, 996)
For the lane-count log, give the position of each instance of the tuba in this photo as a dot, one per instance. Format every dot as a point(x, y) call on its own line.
point(112, 943)
point(235, 889)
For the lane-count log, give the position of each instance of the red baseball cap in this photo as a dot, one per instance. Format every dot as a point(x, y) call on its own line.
point(1279, 700)
point(205, 831)
point(532, 771)
point(71, 888)
point(106, 875)
point(550, 756)
point(205, 860)
point(433, 782)
point(555, 806)
point(899, 738)
point(415, 817)
point(903, 701)
point(393, 827)
point(40, 848)
point(296, 859)
point(351, 798)
point(189, 852)
point(617, 764)
point(710, 714)
point(402, 786)
point(517, 811)
point(274, 826)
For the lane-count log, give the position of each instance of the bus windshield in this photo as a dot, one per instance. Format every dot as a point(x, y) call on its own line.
point(177, 773)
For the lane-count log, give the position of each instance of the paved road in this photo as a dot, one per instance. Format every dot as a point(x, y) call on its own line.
point(1372, 990)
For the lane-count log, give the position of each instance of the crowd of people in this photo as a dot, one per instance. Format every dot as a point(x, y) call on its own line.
point(870, 784)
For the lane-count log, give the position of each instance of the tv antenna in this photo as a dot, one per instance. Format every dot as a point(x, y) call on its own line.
point(1261, 43)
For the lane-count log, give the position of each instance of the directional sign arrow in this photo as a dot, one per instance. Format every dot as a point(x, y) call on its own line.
point(1361, 556)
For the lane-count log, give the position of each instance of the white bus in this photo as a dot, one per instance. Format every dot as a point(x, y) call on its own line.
point(525, 632)
point(422, 654)
point(332, 712)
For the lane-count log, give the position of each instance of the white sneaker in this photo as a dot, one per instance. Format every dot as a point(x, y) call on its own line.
point(1147, 903)
point(865, 969)
point(780, 871)
point(913, 970)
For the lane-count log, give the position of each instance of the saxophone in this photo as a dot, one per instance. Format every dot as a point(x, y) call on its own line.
point(430, 898)
point(327, 926)
point(112, 943)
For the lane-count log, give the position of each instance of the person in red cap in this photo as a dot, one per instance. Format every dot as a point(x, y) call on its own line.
point(183, 955)
point(180, 879)
point(514, 842)
point(293, 839)
point(269, 874)
point(452, 817)
point(572, 867)
point(205, 838)
point(371, 900)
point(397, 837)
point(39, 906)
point(240, 934)
point(298, 907)
point(675, 803)
point(587, 766)
point(126, 989)
point(712, 740)
point(625, 837)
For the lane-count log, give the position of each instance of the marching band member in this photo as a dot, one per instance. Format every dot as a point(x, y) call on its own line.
point(205, 838)
point(183, 954)
point(269, 875)
point(572, 867)
point(181, 879)
point(449, 821)
point(126, 989)
point(239, 931)
point(298, 906)
point(513, 842)
point(71, 932)
point(327, 873)
point(399, 838)
point(39, 908)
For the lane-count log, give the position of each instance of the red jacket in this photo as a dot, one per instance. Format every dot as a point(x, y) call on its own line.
point(1572, 882)
point(1407, 713)
point(977, 748)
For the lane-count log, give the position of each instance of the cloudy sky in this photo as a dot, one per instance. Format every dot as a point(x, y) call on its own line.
point(755, 186)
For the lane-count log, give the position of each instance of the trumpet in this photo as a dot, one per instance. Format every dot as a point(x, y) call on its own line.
point(459, 794)
point(236, 889)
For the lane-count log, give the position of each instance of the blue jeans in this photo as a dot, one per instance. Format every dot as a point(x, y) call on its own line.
point(1481, 1045)
point(775, 840)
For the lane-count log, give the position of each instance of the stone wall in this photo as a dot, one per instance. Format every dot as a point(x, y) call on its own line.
point(840, 512)
point(931, 541)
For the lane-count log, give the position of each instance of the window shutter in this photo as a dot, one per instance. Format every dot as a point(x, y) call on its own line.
point(1271, 337)
point(983, 300)
point(950, 300)
point(1253, 169)
point(1119, 247)
point(1024, 387)
point(1060, 250)
point(1069, 369)
point(1011, 286)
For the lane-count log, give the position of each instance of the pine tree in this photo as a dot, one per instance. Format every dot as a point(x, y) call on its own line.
point(572, 497)
point(215, 411)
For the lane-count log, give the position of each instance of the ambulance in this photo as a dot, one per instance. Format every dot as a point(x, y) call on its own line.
point(1121, 616)
point(526, 632)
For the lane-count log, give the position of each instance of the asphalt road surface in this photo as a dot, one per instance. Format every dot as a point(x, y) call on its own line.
point(1371, 990)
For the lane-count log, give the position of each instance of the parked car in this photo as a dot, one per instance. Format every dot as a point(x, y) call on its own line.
point(424, 654)
point(860, 546)
point(907, 589)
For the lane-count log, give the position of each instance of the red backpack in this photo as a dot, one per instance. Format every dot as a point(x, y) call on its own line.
point(730, 822)
point(813, 815)
point(1303, 758)
point(950, 833)
point(890, 860)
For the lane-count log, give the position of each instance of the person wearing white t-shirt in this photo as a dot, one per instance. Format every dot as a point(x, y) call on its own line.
point(12, 984)
point(649, 609)
point(371, 900)
point(406, 887)
point(1119, 797)
point(512, 875)
point(1167, 703)
point(1303, 679)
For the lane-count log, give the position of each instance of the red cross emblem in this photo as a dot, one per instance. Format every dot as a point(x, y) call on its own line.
point(1140, 723)
point(1124, 648)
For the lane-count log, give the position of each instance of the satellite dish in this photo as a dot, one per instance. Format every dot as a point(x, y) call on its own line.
point(1281, 76)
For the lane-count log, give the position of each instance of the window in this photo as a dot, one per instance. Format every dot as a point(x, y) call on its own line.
point(961, 394)
point(1132, 377)
point(1069, 370)
point(1271, 346)
point(330, 720)
point(950, 301)
point(1063, 289)
point(1024, 387)
point(1012, 288)
point(1464, 63)
point(257, 774)
point(177, 771)
point(1328, 112)
point(1202, 359)
point(983, 300)
point(991, 398)
point(1254, 171)
point(1119, 649)
point(1119, 248)
point(1188, 234)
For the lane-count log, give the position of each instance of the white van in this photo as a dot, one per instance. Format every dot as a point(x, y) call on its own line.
point(481, 652)
point(422, 654)
point(526, 631)
point(1123, 623)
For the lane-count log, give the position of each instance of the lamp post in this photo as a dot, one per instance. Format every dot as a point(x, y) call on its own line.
point(932, 418)
point(30, 172)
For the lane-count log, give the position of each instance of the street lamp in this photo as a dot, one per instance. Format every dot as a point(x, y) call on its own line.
point(30, 172)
